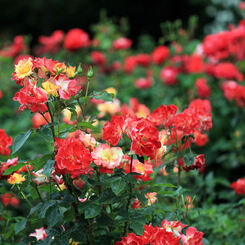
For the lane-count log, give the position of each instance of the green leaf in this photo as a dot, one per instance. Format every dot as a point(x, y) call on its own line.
point(137, 227)
point(54, 217)
point(20, 140)
point(164, 193)
point(102, 96)
point(12, 169)
point(242, 201)
point(92, 211)
point(118, 185)
point(88, 125)
point(20, 226)
point(35, 208)
point(165, 185)
point(48, 167)
point(45, 207)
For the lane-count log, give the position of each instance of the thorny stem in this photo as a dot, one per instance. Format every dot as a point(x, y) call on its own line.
point(130, 196)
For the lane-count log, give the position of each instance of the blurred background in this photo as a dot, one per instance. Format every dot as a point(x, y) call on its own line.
point(41, 17)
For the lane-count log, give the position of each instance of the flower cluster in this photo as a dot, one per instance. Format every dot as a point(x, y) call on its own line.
point(225, 44)
point(149, 139)
point(170, 232)
point(41, 78)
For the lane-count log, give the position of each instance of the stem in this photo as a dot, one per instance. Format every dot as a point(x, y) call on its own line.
point(82, 109)
point(69, 187)
point(52, 121)
point(129, 198)
point(98, 179)
point(90, 233)
point(178, 182)
point(58, 130)
point(36, 187)
point(179, 175)
point(86, 93)
point(39, 194)
point(24, 196)
point(44, 117)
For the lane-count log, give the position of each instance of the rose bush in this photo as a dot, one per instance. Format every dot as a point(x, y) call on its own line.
point(130, 151)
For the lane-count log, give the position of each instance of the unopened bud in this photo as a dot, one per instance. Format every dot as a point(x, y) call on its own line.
point(90, 73)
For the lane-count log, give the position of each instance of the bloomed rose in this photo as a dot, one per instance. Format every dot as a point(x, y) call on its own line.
point(144, 169)
point(163, 115)
point(112, 131)
point(5, 142)
point(31, 97)
point(107, 157)
point(23, 68)
point(66, 87)
point(239, 186)
point(72, 157)
point(145, 138)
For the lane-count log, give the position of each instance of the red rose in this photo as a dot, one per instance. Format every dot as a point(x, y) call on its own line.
point(98, 58)
point(145, 137)
point(131, 239)
point(143, 83)
point(163, 115)
point(239, 186)
point(31, 97)
point(168, 75)
point(193, 236)
point(227, 70)
point(5, 165)
point(194, 64)
point(129, 64)
point(72, 157)
point(162, 237)
point(5, 142)
point(112, 131)
point(143, 60)
point(76, 39)
point(203, 90)
point(122, 43)
point(160, 54)
point(9, 199)
point(200, 139)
